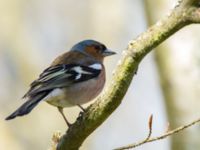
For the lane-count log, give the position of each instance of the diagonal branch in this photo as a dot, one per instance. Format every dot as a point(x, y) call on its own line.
point(111, 98)
point(167, 134)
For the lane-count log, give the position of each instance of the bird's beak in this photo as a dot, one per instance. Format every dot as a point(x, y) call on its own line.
point(108, 52)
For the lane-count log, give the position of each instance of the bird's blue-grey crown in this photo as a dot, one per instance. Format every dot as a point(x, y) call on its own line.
point(83, 44)
point(80, 47)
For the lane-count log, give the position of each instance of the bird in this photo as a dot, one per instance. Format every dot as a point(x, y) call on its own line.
point(73, 78)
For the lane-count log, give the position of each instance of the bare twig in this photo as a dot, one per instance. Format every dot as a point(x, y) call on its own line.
point(150, 123)
point(150, 127)
point(55, 139)
point(165, 135)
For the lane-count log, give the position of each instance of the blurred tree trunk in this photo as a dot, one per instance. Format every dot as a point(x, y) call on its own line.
point(178, 67)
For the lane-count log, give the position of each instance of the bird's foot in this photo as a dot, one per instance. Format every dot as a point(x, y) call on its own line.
point(83, 109)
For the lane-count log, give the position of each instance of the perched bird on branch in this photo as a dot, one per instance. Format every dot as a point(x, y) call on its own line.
point(74, 78)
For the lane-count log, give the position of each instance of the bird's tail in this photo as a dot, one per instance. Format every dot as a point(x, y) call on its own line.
point(27, 106)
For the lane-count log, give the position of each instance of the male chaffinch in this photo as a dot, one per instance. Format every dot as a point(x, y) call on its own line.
point(74, 78)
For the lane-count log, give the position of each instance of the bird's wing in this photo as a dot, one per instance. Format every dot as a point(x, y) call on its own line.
point(60, 76)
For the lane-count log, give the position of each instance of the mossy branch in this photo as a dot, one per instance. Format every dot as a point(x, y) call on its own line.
point(186, 12)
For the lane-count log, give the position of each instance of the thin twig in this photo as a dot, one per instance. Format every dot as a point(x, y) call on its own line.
point(55, 139)
point(148, 136)
point(169, 133)
point(150, 127)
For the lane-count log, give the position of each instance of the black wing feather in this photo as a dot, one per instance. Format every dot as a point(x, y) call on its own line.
point(60, 76)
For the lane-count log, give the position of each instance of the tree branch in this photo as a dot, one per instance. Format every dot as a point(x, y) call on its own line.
point(111, 98)
point(169, 133)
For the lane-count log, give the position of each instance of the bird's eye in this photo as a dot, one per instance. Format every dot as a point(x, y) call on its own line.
point(97, 47)
point(104, 47)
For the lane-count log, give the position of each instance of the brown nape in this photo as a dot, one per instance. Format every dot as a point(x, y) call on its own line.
point(91, 50)
point(73, 57)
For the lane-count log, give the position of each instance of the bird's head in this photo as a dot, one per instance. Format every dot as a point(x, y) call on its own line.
point(93, 48)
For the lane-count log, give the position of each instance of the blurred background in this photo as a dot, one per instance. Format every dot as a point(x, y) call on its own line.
point(34, 32)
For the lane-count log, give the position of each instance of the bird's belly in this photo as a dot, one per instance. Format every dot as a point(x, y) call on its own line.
point(79, 93)
point(57, 97)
